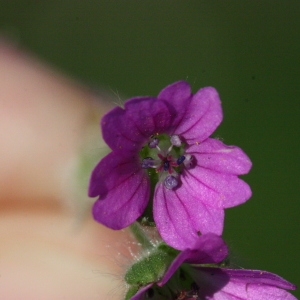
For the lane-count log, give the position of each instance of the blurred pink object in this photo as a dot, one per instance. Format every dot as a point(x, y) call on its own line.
point(47, 251)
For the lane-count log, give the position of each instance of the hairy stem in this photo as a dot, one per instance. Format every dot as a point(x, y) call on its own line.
point(140, 235)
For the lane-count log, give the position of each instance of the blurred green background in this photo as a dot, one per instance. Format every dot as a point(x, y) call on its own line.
point(248, 50)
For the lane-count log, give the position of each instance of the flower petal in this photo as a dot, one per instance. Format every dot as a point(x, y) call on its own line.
point(119, 133)
point(201, 117)
point(229, 284)
point(175, 93)
point(149, 115)
point(141, 294)
point(181, 216)
point(129, 128)
point(178, 96)
point(262, 292)
point(214, 155)
point(123, 189)
point(259, 277)
point(208, 249)
point(214, 189)
point(211, 282)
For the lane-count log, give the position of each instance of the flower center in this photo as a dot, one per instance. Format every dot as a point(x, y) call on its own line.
point(166, 155)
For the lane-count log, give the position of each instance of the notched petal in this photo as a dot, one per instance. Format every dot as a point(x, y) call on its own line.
point(119, 132)
point(177, 96)
point(255, 284)
point(149, 115)
point(217, 190)
point(202, 116)
point(181, 216)
point(172, 219)
point(123, 189)
point(260, 277)
point(214, 155)
point(176, 93)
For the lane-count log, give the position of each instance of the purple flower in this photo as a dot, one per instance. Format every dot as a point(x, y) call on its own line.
point(162, 144)
point(186, 279)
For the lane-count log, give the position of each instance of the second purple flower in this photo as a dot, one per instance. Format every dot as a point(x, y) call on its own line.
point(161, 149)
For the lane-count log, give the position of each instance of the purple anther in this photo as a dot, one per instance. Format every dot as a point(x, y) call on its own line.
point(180, 160)
point(188, 162)
point(147, 162)
point(175, 140)
point(153, 143)
point(170, 182)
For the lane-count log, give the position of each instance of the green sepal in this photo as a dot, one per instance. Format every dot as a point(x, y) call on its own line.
point(149, 268)
point(169, 250)
point(152, 266)
point(133, 289)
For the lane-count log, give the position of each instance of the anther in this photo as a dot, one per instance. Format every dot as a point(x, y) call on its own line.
point(153, 143)
point(188, 161)
point(175, 140)
point(180, 160)
point(170, 182)
point(147, 162)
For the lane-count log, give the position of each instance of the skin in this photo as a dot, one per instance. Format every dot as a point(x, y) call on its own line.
point(51, 248)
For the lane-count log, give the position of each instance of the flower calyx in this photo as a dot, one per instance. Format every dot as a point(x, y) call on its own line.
point(149, 268)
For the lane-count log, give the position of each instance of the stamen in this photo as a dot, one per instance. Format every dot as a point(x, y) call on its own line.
point(188, 161)
point(171, 159)
point(180, 160)
point(153, 143)
point(170, 182)
point(158, 148)
point(175, 140)
point(147, 162)
point(170, 149)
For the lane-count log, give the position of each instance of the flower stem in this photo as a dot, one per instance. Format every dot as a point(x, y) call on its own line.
point(140, 235)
